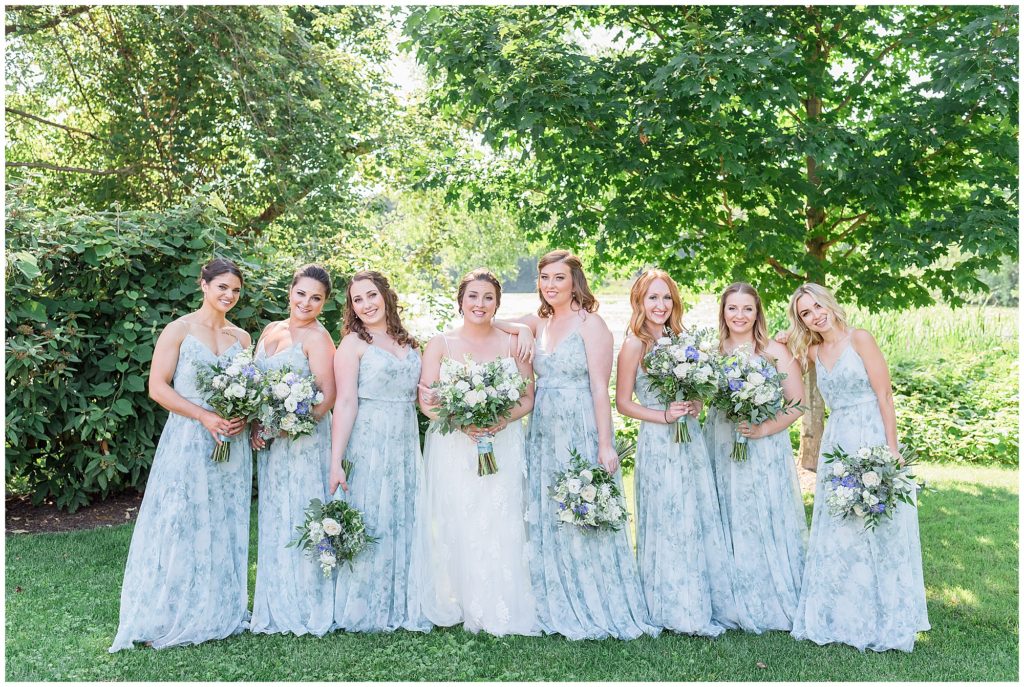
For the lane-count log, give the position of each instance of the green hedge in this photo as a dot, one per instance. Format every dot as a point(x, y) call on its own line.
point(87, 295)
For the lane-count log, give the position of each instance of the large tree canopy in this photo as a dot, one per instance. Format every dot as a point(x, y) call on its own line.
point(271, 106)
point(873, 149)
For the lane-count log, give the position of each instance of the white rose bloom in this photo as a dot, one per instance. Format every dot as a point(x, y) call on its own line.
point(732, 373)
point(589, 493)
point(573, 485)
point(318, 398)
point(565, 515)
point(763, 396)
point(513, 395)
point(490, 391)
point(478, 380)
point(327, 558)
point(233, 370)
point(220, 381)
point(679, 353)
point(664, 341)
point(587, 476)
point(680, 370)
point(290, 404)
point(870, 479)
point(860, 510)
point(280, 390)
point(863, 452)
point(236, 390)
point(462, 385)
point(473, 397)
point(316, 532)
point(756, 379)
point(331, 527)
point(289, 422)
point(839, 470)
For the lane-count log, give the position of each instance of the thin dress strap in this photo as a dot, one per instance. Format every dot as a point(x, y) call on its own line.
point(446, 348)
point(510, 345)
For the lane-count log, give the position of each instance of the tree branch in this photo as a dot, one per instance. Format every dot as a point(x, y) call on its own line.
point(931, 155)
point(119, 171)
point(650, 27)
point(14, 30)
point(783, 272)
point(70, 129)
point(861, 218)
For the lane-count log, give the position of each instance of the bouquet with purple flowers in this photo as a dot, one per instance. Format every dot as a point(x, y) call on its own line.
point(750, 390)
point(288, 400)
point(684, 367)
point(870, 483)
point(234, 389)
point(331, 533)
point(588, 497)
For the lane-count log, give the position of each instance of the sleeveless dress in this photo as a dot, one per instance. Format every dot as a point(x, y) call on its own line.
point(292, 594)
point(185, 580)
point(765, 524)
point(475, 533)
point(383, 589)
point(862, 588)
point(586, 583)
point(685, 567)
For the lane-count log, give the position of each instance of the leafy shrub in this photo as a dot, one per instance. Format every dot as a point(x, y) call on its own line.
point(87, 295)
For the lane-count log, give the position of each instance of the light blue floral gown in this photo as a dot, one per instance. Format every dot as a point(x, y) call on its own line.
point(382, 591)
point(292, 594)
point(685, 567)
point(185, 580)
point(586, 583)
point(765, 524)
point(862, 588)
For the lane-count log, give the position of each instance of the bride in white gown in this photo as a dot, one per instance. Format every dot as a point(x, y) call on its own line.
point(472, 527)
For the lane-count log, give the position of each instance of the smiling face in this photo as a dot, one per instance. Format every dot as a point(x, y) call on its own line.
point(740, 313)
point(479, 302)
point(222, 292)
point(658, 302)
point(555, 283)
point(813, 314)
point(367, 302)
point(306, 299)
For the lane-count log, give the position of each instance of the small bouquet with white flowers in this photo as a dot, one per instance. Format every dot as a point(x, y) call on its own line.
point(233, 389)
point(288, 399)
point(588, 497)
point(750, 390)
point(684, 367)
point(332, 532)
point(477, 395)
point(870, 483)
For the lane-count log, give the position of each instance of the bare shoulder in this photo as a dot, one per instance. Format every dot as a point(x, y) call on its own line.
point(632, 345)
point(593, 322)
point(862, 337)
point(243, 336)
point(531, 320)
point(779, 352)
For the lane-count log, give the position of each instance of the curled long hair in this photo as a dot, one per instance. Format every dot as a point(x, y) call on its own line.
point(638, 320)
point(801, 338)
point(479, 274)
point(581, 293)
point(760, 325)
point(392, 310)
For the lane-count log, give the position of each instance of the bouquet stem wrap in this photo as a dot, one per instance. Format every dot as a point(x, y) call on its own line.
point(222, 451)
point(739, 448)
point(682, 433)
point(486, 465)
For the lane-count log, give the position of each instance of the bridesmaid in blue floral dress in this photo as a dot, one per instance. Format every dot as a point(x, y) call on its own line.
point(862, 588)
point(586, 584)
point(377, 368)
point(685, 568)
point(763, 514)
point(186, 574)
point(292, 594)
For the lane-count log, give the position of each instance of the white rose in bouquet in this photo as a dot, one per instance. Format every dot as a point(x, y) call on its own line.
point(587, 476)
point(679, 353)
point(490, 391)
point(574, 486)
point(327, 558)
point(290, 404)
point(219, 382)
point(565, 515)
point(680, 370)
point(289, 422)
point(871, 479)
point(755, 379)
point(664, 341)
point(478, 380)
point(863, 452)
point(281, 390)
point(462, 385)
point(236, 390)
point(839, 469)
point(860, 510)
point(316, 531)
point(513, 395)
point(331, 527)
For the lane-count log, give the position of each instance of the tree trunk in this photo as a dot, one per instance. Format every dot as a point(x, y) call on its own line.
point(812, 424)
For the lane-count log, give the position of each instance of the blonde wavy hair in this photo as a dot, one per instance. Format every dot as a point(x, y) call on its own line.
point(581, 293)
point(800, 337)
point(760, 331)
point(638, 320)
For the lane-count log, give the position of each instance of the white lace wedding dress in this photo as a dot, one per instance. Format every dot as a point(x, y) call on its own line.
point(474, 532)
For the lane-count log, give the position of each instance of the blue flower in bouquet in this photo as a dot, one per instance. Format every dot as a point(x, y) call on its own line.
point(849, 481)
point(768, 371)
point(735, 384)
point(692, 353)
point(878, 508)
point(302, 408)
point(250, 371)
point(290, 378)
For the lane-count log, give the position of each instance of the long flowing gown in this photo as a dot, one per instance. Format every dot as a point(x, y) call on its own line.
point(764, 520)
point(475, 533)
point(862, 588)
point(292, 594)
point(383, 589)
point(586, 583)
point(685, 567)
point(185, 580)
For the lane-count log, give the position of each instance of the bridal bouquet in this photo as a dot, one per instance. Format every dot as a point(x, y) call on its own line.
point(288, 400)
point(332, 532)
point(684, 367)
point(870, 483)
point(588, 497)
point(477, 394)
point(750, 390)
point(233, 389)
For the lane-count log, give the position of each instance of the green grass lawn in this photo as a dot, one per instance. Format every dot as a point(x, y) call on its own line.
point(63, 591)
